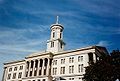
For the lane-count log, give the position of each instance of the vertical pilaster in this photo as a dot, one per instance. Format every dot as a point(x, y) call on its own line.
point(29, 68)
point(38, 67)
point(48, 66)
point(43, 67)
point(26, 69)
point(33, 70)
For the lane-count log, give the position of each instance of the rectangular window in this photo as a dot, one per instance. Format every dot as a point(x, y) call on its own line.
point(54, 62)
point(10, 69)
point(80, 68)
point(52, 44)
point(71, 59)
point(15, 69)
point(60, 35)
point(21, 67)
point(30, 73)
point(20, 75)
point(71, 69)
point(9, 76)
point(26, 73)
point(80, 58)
point(43, 79)
point(55, 71)
point(53, 34)
point(62, 61)
point(62, 71)
point(14, 75)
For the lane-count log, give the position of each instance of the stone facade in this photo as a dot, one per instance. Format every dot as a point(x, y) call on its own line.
point(54, 64)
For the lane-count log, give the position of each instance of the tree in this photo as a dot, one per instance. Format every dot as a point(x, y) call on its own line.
point(106, 69)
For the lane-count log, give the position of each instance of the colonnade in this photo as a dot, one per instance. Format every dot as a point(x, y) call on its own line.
point(38, 67)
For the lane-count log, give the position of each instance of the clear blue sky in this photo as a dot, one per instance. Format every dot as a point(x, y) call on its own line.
point(25, 25)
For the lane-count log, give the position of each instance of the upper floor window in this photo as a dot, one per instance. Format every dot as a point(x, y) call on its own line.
point(62, 70)
point(21, 67)
point(71, 69)
point(43, 79)
point(14, 75)
point(71, 59)
point(80, 58)
point(80, 68)
point(20, 75)
point(15, 69)
point(9, 76)
point(53, 34)
point(52, 44)
point(55, 71)
point(62, 61)
point(54, 62)
point(60, 35)
point(10, 69)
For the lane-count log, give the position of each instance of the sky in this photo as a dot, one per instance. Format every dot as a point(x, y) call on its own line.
point(25, 25)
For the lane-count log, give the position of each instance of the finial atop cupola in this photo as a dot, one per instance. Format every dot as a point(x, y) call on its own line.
point(57, 21)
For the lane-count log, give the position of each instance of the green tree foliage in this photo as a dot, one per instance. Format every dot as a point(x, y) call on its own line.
point(106, 69)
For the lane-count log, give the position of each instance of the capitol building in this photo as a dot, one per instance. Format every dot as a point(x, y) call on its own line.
point(54, 64)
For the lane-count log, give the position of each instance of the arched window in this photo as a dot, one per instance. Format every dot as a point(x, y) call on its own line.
point(53, 34)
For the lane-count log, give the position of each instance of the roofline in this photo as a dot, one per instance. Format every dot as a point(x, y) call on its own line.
point(81, 49)
point(46, 53)
point(13, 62)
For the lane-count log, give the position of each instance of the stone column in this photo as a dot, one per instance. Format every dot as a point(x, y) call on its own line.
point(29, 68)
point(33, 70)
point(43, 67)
point(38, 67)
point(26, 69)
point(48, 67)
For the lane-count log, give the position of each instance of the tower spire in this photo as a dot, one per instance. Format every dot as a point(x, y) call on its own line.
point(57, 21)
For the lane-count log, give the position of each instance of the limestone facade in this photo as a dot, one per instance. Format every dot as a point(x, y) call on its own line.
point(54, 64)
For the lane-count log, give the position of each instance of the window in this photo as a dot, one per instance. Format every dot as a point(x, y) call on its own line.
point(60, 35)
point(90, 57)
point(9, 76)
point(10, 69)
point(53, 34)
point(26, 73)
point(54, 62)
point(30, 73)
point(43, 79)
point(55, 71)
point(20, 75)
point(14, 75)
point(21, 67)
point(62, 61)
point(80, 58)
point(71, 69)
point(71, 59)
point(71, 78)
point(61, 44)
point(80, 68)
point(15, 69)
point(52, 44)
point(62, 71)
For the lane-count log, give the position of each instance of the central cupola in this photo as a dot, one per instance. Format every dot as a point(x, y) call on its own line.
point(56, 44)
